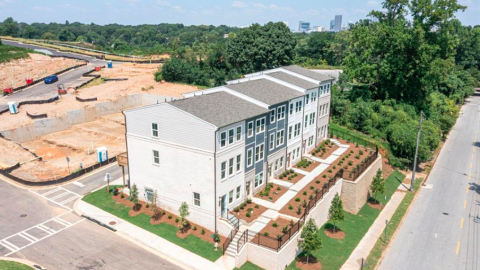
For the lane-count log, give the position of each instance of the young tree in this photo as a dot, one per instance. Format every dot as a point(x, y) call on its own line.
point(336, 213)
point(378, 185)
point(153, 203)
point(134, 196)
point(311, 238)
point(184, 213)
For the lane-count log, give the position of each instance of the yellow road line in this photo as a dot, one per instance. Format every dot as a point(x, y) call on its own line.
point(458, 248)
point(461, 223)
point(467, 189)
point(471, 165)
point(465, 204)
point(469, 176)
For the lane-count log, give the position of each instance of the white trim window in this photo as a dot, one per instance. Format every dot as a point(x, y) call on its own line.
point(230, 167)
point(196, 199)
point(294, 153)
point(321, 90)
point(260, 126)
point(291, 109)
point(223, 139)
point(281, 163)
point(239, 163)
point(290, 132)
point(272, 116)
point(276, 165)
point(258, 179)
point(239, 189)
point(272, 141)
point(148, 194)
point(249, 157)
point(314, 97)
point(307, 99)
point(306, 121)
point(230, 196)
point(250, 129)
point(259, 152)
point(280, 137)
point(231, 136)
point(281, 112)
point(298, 106)
point(297, 129)
point(312, 118)
point(298, 152)
point(223, 168)
point(155, 130)
point(156, 157)
point(239, 133)
point(310, 141)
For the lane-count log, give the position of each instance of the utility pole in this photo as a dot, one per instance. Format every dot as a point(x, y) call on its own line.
point(416, 150)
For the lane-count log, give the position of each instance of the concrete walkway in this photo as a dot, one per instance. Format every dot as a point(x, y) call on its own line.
point(182, 256)
point(374, 233)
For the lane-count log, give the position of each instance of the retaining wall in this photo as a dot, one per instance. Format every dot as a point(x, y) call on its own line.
point(55, 124)
point(355, 193)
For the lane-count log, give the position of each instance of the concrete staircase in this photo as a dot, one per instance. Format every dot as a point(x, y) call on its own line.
point(232, 248)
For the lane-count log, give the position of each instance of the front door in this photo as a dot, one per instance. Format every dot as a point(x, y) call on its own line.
point(270, 173)
point(249, 188)
point(223, 204)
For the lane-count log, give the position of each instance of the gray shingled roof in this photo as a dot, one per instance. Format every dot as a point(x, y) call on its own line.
point(266, 91)
point(292, 80)
point(220, 108)
point(308, 73)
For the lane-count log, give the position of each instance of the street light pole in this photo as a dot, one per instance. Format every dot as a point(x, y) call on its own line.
point(416, 150)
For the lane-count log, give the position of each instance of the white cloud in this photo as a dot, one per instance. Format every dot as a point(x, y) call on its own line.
point(163, 3)
point(238, 4)
point(259, 5)
point(372, 3)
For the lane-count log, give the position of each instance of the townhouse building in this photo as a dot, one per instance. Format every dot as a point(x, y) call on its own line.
point(218, 146)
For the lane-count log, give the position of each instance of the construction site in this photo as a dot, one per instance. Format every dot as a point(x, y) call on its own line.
point(79, 122)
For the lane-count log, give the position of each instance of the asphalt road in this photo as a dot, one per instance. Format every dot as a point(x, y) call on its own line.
point(45, 91)
point(442, 229)
point(40, 226)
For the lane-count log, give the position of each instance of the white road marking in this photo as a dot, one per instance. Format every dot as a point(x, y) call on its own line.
point(9, 245)
point(45, 229)
point(50, 192)
point(29, 235)
point(61, 221)
point(59, 195)
point(78, 184)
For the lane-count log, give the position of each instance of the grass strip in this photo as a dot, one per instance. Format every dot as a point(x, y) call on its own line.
point(9, 265)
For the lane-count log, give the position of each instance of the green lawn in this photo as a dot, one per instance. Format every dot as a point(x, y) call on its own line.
point(192, 243)
point(249, 266)
point(334, 252)
point(9, 265)
point(397, 217)
point(8, 53)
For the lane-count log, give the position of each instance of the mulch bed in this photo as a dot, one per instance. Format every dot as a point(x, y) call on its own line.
point(375, 205)
point(310, 168)
point(339, 234)
point(329, 146)
point(313, 263)
point(164, 218)
point(274, 194)
point(242, 213)
point(293, 180)
point(271, 240)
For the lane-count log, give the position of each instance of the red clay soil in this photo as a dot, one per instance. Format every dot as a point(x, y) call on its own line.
point(274, 193)
point(271, 240)
point(306, 190)
point(375, 205)
point(339, 234)
point(329, 149)
point(242, 213)
point(311, 167)
point(313, 263)
point(142, 209)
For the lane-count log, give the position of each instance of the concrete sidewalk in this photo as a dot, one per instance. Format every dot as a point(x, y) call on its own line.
point(376, 231)
point(179, 255)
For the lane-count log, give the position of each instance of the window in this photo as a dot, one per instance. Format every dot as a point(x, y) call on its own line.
point(249, 157)
point(306, 121)
point(272, 141)
point(291, 109)
point(250, 129)
point(310, 141)
point(155, 130)
point(231, 135)
point(259, 153)
point(230, 166)
point(230, 196)
point(290, 132)
point(298, 152)
point(259, 179)
point(276, 165)
point(148, 194)
point(298, 106)
point(280, 137)
point(239, 133)
point(239, 163)
point(272, 116)
point(281, 163)
point(260, 125)
point(307, 98)
point(196, 199)
point(314, 96)
point(312, 118)
point(156, 157)
point(297, 130)
point(280, 113)
point(294, 153)
point(224, 170)
point(223, 139)
point(239, 188)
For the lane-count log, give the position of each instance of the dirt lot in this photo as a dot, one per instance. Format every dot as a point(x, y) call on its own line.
point(75, 143)
point(140, 80)
point(36, 67)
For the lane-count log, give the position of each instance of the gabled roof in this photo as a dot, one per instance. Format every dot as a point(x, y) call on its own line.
point(283, 76)
point(266, 91)
point(220, 108)
point(308, 73)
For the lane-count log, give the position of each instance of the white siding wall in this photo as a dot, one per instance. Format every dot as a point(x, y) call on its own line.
point(310, 130)
point(294, 119)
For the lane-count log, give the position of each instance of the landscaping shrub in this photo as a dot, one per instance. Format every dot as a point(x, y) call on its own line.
point(325, 185)
point(194, 228)
point(304, 203)
point(163, 212)
point(203, 231)
point(312, 187)
point(248, 214)
point(115, 191)
point(279, 237)
point(317, 181)
point(304, 193)
point(249, 201)
point(257, 206)
point(169, 216)
point(324, 176)
point(250, 209)
point(278, 188)
point(122, 195)
point(350, 163)
point(330, 171)
point(285, 229)
point(265, 233)
point(290, 207)
point(177, 220)
point(311, 197)
point(297, 199)
point(236, 209)
point(275, 225)
point(299, 209)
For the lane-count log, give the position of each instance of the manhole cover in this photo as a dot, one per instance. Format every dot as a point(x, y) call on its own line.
point(23, 215)
point(112, 223)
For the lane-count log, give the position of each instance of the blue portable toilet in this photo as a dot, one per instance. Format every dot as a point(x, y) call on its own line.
point(109, 64)
point(102, 154)
point(12, 107)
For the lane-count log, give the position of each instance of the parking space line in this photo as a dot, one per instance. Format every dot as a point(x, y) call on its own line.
point(45, 228)
point(61, 221)
point(9, 245)
point(24, 237)
point(29, 235)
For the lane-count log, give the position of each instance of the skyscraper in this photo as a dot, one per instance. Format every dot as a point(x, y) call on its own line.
point(303, 26)
point(338, 23)
point(332, 24)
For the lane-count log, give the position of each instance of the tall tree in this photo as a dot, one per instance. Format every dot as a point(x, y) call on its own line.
point(336, 212)
point(134, 196)
point(184, 213)
point(378, 184)
point(311, 239)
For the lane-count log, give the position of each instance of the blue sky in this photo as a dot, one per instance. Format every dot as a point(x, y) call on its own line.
point(188, 12)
